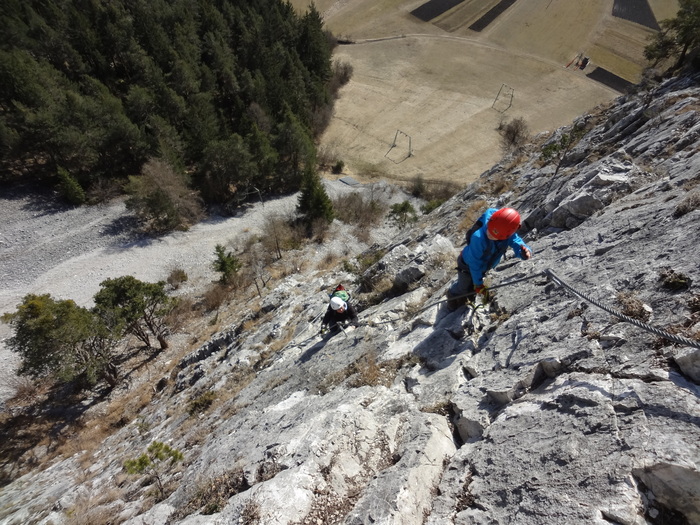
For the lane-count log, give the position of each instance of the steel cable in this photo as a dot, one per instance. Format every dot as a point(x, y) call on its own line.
point(644, 326)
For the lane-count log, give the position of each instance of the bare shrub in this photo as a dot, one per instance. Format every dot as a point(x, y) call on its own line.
point(201, 403)
point(514, 135)
point(342, 73)
point(632, 306)
point(320, 118)
point(103, 190)
point(320, 229)
point(280, 234)
point(162, 199)
point(183, 311)
point(215, 296)
point(433, 190)
point(690, 203)
point(212, 495)
point(354, 208)
point(327, 156)
point(176, 278)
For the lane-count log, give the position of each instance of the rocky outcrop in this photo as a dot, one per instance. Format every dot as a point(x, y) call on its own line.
point(540, 408)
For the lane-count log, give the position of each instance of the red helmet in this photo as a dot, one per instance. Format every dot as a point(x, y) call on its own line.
point(503, 223)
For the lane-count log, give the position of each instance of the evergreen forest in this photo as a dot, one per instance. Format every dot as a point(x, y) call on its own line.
point(227, 96)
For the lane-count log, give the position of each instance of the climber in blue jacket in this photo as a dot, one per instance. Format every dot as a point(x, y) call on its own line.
point(487, 242)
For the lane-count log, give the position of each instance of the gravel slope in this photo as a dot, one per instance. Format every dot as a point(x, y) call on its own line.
point(66, 251)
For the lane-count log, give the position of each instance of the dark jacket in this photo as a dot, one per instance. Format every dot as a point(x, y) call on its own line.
point(332, 317)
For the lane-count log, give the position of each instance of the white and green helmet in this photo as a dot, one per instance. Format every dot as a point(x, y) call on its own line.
point(337, 303)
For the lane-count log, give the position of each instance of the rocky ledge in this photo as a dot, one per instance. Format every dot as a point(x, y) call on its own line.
point(539, 408)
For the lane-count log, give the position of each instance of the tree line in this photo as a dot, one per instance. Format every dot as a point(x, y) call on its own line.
point(223, 97)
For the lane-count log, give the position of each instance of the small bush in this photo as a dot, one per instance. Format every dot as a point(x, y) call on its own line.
point(690, 203)
point(403, 213)
point(225, 263)
point(353, 208)
point(672, 280)
point(212, 495)
point(349, 267)
point(633, 307)
point(201, 403)
point(514, 135)
point(430, 206)
point(176, 278)
point(338, 167)
point(215, 296)
point(367, 259)
point(70, 188)
point(157, 461)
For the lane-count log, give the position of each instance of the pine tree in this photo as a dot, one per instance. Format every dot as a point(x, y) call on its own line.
point(314, 203)
point(678, 36)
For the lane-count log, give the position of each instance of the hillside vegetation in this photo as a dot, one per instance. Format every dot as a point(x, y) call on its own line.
point(228, 95)
point(540, 407)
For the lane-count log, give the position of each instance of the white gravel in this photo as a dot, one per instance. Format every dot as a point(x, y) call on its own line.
point(68, 252)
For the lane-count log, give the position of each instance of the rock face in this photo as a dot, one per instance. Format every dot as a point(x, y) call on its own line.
point(540, 408)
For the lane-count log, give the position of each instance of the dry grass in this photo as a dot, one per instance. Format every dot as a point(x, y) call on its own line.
point(690, 203)
point(366, 371)
point(91, 510)
point(212, 495)
point(215, 296)
point(475, 209)
point(496, 184)
point(329, 261)
point(201, 403)
point(27, 391)
point(251, 514)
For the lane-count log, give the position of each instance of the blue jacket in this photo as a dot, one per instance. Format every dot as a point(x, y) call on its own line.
point(482, 254)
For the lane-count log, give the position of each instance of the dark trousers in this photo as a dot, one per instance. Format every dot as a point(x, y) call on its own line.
point(462, 286)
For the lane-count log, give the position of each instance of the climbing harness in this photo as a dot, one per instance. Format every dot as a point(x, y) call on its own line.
point(644, 326)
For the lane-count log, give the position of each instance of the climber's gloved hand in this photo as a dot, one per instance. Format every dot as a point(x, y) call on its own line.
point(482, 294)
point(324, 329)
